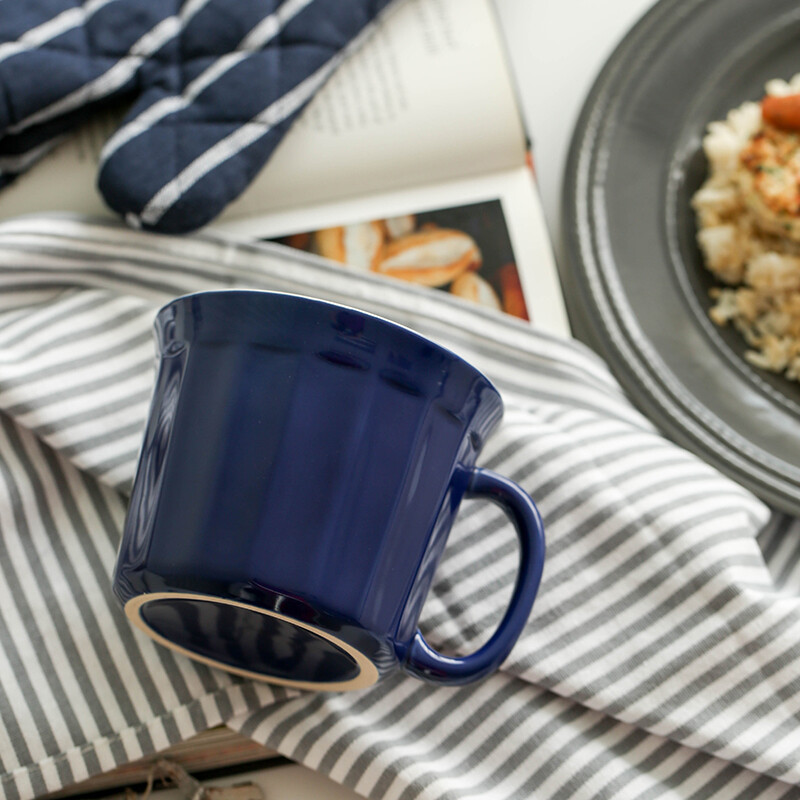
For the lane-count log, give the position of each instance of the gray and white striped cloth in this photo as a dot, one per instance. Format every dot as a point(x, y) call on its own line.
point(661, 658)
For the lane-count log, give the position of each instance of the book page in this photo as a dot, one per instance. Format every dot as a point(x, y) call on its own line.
point(66, 178)
point(428, 97)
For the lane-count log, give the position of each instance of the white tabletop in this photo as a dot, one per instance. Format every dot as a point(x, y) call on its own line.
point(557, 47)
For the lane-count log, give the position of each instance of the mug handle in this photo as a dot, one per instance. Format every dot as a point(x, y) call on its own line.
point(422, 660)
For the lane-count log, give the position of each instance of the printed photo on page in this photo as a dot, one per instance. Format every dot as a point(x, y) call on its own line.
point(464, 250)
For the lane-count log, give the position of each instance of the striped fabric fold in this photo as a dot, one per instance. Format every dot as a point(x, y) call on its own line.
point(660, 660)
point(212, 87)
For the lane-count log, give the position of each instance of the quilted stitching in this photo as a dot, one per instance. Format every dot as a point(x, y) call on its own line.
point(214, 85)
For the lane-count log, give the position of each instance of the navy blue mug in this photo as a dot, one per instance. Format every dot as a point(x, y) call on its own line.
point(301, 468)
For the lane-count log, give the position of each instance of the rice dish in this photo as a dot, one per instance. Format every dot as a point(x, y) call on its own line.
point(748, 220)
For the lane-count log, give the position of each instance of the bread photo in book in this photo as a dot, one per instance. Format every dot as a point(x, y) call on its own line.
point(358, 246)
point(472, 287)
point(432, 257)
point(465, 250)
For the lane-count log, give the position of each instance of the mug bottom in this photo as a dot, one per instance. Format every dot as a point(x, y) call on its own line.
point(250, 641)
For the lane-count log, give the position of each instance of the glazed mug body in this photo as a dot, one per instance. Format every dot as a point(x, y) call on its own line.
point(301, 468)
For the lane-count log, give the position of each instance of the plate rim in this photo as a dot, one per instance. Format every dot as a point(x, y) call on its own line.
point(585, 293)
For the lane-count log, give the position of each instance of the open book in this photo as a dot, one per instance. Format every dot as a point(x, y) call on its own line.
point(412, 161)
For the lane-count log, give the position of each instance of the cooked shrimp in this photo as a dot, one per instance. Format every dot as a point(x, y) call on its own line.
point(769, 179)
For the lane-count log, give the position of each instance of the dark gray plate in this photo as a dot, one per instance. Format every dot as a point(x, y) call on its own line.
point(636, 288)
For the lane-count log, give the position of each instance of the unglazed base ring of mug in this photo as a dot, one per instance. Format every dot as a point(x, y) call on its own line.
point(367, 672)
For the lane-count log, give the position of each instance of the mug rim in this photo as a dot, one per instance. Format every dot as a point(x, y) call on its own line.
point(367, 671)
point(404, 329)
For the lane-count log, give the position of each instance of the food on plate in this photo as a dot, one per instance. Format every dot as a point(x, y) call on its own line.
point(358, 246)
point(472, 287)
point(782, 111)
point(748, 216)
point(432, 257)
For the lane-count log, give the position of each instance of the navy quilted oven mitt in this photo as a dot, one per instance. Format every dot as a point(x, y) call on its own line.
point(214, 85)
